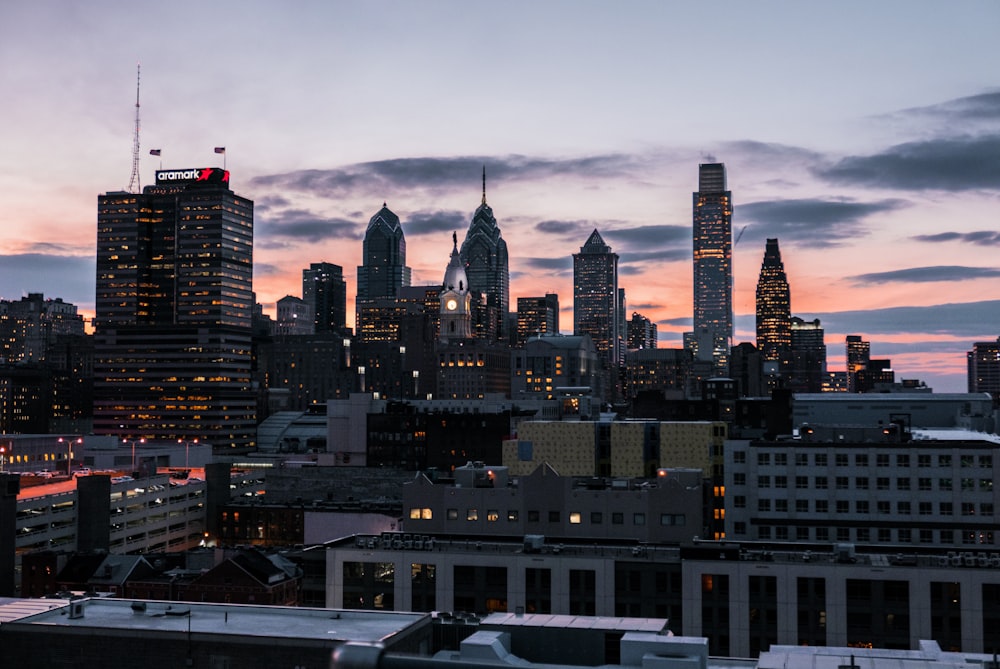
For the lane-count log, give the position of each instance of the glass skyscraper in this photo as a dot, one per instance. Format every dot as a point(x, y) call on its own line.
point(485, 254)
point(174, 307)
point(381, 275)
point(324, 289)
point(774, 311)
point(713, 267)
point(595, 297)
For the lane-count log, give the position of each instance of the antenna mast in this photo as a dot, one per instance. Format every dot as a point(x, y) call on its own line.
point(133, 182)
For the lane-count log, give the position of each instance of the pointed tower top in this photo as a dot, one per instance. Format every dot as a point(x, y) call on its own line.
point(484, 183)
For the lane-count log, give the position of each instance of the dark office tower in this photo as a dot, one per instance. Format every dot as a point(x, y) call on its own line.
point(324, 289)
point(595, 297)
point(172, 353)
point(641, 332)
point(774, 311)
point(383, 270)
point(984, 368)
point(485, 254)
point(858, 355)
point(537, 316)
point(808, 359)
point(713, 267)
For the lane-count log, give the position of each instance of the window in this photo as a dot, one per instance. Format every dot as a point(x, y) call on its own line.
point(739, 528)
point(945, 508)
point(923, 460)
point(843, 506)
point(802, 506)
point(638, 519)
point(944, 461)
point(617, 518)
point(883, 507)
point(860, 459)
point(925, 508)
point(739, 457)
point(781, 533)
point(944, 484)
point(986, 509)
point(902, 483)
point(882, 483)
point(534, 516)
point(574, 518)
point(946, 537)
point(452, 514)
point(822, 506)
point(843, 534)
point(861, 506)
point(739, 478)
point(512, 515)
point(882, 460)
point(841, 459)
point(902, 460)
point(822, 534)
point(864, 534)
point(421, 514)
point(821, 483)
point(492, 515)
point(596, 517)
point(821, 459)
point(861, 483)
point(986, 485)
point(802, 459)
point(986, 461)
point(801, 482)
point(843, 483)
point(763, 459)
point(763, 481)
point(884, 535)
point(926, 536)
point(677, 519)
point(802, 533)
point(780, 481)
point(968, 484)
point(740, 501)
point(472, 514)
point(764, 531)
point(553, 516)
point(781, 459)
point(924, 484)
point(764, 505)
point(903, 508)
point(905, 536)
point(781, 505)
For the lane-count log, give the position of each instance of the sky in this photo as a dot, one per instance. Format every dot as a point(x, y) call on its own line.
point(864, 136)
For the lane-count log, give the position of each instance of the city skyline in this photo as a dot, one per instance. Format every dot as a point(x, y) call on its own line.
point(872, 160)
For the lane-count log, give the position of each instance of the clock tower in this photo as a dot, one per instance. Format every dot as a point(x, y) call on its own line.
point(456, 319)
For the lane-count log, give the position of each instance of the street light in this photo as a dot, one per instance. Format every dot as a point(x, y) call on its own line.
point(141, 441)
point(187, 445)
point(3, 456)
point(69, 453)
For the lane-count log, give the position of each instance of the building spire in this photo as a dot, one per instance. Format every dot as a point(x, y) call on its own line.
point(484, 183)
point(134, 186)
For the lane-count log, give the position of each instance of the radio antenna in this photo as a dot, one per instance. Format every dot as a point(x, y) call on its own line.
point(133, 182)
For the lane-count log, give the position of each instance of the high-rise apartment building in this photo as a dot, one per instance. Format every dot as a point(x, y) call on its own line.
point(595, 297)
point(808, 356)
point(713, 267)
point(984, 368)
point(324, 289)
point(485, 254)
point(174, 307)
point(641, 332)
point(537, 316)
point(774, 311)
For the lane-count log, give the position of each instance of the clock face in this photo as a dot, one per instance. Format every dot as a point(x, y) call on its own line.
point(451, 305)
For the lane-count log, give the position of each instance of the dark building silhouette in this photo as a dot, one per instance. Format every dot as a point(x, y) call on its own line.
point(383, 270)
point(745, 367)
point(713, 267)
point(324, 289)
point(984, 368)
point(537, 316)
point(486, 265)
point(808, 359)
point(595, 297)
point(173, 325)
point(858, 354)
point(641, 332)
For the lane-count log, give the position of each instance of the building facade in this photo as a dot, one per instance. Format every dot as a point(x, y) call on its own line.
point(774, 315)
point(174, 309)
point(595, 298)
point(383, 270)
point(537, 316)
point(984, 368)
point(484, 253)
point(713, 267)
point(324, 289)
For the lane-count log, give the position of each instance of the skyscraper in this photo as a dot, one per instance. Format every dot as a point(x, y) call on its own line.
point(537, 316)
point(174, 311)
point(713, 270)
point(641, 332)
point(774, 312)
point(383, 270)
point(808, 363)
point(858, 356)
point(595, 297)
point(324, 289)
point(984, 368)
point(485, 254)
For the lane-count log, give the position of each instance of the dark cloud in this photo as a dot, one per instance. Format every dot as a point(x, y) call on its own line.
point(436, 223)
point(73, 278)
point(307, 226)
point(953, 164)
point(979, 237)
point(628, 260)
point(820, 222)
point(974, 108)
point(387, 176)
point(566, 229)
point(973, 321)
point(643, 236)
point(927, 275)
point(270, 202)
point(558, 264)
point(261, 269)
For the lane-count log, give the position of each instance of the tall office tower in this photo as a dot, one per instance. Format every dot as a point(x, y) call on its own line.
point(537, 316)
point(858, 355)
point(173, 325)
point(713, 267)
point(595, 297)
point(324, 289)
point(641, 332)
point(485, 254)
point(808, 359)
point(774, 311)
point(984, 368)
point(383, 270)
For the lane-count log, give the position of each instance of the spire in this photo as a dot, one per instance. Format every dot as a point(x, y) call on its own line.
point(454, 239)
point(484, 183)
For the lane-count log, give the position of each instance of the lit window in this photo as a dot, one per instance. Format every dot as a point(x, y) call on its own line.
point(574, 518)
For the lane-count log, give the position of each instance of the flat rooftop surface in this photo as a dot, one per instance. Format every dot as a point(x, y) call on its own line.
point(652, 625)
point(325, 625)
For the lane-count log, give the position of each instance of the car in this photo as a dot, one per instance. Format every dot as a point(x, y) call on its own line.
point(84, 471)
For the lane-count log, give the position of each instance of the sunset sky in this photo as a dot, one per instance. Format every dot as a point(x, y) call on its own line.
point(865, 136)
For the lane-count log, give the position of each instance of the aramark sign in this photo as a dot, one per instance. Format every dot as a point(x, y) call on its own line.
point(211, 175)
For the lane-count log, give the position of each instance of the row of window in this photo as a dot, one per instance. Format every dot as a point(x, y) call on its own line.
point(865, 534)
point(863, 459)
point(861, 506)
point(574, 517)
point(926, 484)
